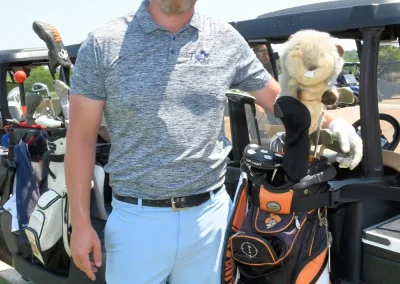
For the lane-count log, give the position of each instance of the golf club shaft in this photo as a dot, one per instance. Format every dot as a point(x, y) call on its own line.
point(253, 108)
point(51, 105)
point(22, 96)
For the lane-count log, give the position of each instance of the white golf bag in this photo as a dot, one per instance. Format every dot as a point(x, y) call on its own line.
point(49, 225)
point(50, 221)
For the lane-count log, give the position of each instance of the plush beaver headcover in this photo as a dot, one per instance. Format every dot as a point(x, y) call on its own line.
point(311, 57)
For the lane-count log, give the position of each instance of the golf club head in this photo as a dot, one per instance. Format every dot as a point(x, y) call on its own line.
point(37, 87)
point(58, 55)
point(325, 137)
point(296, 119)
point(62, 90)
point(240, 97)
point(32, 101)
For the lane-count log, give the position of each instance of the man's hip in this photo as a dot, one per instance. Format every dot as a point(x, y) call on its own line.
point(152, 244)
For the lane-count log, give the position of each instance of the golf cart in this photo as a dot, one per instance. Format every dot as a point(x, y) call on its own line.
point(378, 170)
point(352, 68)
point(365, 227)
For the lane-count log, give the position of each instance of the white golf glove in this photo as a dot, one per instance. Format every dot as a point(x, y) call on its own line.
point(350, 143)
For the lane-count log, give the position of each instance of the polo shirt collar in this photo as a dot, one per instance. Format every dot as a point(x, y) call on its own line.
point(148, 25)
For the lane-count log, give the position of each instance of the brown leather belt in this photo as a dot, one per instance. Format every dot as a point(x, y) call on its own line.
point(177, 203)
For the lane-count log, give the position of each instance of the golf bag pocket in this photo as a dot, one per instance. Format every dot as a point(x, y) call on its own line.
point(276, 202)
point(272, 248)
point(44, 231)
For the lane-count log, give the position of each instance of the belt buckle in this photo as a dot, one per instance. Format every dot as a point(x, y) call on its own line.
point(176, 208)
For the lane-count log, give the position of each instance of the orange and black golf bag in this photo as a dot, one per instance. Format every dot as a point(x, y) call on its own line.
point(278, 232)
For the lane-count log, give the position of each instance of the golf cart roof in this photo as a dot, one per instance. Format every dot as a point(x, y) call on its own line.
point(20, 56)
point(342, 19)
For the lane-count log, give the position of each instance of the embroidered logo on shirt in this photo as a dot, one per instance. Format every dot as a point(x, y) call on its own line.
point(200, 57)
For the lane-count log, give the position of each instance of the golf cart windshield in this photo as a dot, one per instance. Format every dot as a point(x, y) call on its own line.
point(350, 79)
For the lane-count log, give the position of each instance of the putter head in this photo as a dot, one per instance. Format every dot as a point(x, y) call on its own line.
point(32, 101)
point(240, 97)
point(296, 119)
point(325, 137)
point(37, 87)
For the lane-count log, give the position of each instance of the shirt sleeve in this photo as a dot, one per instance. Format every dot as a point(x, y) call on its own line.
point(88, 73)
point(250, 74)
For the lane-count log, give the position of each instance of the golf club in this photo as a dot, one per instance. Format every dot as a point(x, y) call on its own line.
point(38, 87)
point(244, 98)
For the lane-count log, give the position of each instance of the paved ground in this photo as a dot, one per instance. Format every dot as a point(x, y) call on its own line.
point(9, 274)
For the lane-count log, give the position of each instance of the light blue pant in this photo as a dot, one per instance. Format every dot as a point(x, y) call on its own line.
point(153, 245)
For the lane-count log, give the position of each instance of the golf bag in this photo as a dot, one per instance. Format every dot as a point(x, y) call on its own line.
point(49, 222)
point(277, 234)
point(49, 227)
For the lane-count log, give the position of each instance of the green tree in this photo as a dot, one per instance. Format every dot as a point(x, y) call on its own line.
point(40, 75)
point(351, 56)
point(389, 53)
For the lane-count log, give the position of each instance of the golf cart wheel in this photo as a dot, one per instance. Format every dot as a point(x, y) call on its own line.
point(356, 100)
point(396, 126)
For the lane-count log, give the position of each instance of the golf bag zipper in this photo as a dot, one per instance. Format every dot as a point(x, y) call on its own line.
point(297, 222)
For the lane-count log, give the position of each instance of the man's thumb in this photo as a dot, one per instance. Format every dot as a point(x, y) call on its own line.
point(97, 256)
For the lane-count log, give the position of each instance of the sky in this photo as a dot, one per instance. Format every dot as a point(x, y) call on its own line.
point(74, 19)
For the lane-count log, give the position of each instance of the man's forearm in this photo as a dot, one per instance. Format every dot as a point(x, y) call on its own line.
point(79, 165)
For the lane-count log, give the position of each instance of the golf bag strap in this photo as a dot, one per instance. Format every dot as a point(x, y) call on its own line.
point(347, 194)
point(366, 192)
point(47, 158)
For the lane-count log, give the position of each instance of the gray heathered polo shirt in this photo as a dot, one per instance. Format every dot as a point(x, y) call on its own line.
point(164, 100)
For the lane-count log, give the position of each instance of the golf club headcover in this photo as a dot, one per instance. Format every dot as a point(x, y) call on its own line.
point(296, 119)
point(58, 55)
point(32, 101)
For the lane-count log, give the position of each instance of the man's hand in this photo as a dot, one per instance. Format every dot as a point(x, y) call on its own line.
point(83, 242)
point(350, 143)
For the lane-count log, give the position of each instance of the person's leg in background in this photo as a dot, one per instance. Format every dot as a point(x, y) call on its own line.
point(201, 237)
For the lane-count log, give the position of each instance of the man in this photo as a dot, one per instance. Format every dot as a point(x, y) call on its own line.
point(262, 54)
point(160, 75)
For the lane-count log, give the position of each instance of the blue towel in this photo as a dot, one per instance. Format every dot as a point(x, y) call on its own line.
point(27, 188)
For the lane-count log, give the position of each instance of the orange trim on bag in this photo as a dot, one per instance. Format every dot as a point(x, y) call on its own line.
point(312, 243)
point(238, 218)
point(240, 212)
point(275, 202)
point(229, 265)
point(312, 268)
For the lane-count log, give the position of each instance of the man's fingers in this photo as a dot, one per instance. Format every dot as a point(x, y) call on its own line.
point(97, 256)
point(83, 263)
point(88, 268)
